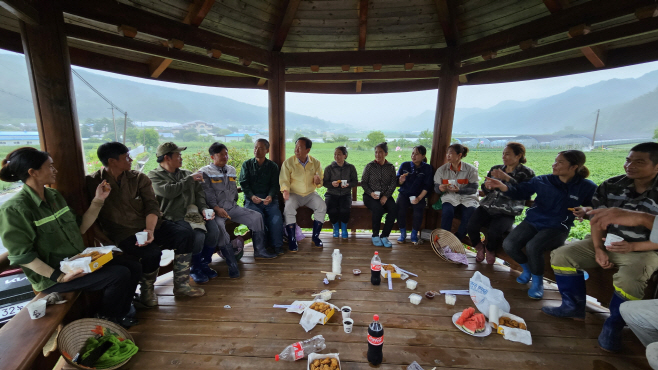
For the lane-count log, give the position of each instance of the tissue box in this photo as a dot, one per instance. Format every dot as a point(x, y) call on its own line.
point(321, 356)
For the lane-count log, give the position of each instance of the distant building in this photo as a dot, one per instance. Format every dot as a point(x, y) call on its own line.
point(166, 135)
point(196, 125)
point(19, 138)
point(239, 136)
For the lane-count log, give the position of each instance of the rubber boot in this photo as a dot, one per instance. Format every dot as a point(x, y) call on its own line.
point(292, 239)
point(403, 236)
point(260, 252)
point(336, 229)
point(317, 227)
point(479, 257)
point(536, 290)
point(610, 337)
point(491, 257)
point(207, 253)
point(343, 227)
point(525, 276)
point(231, 262)
point(182, 286)
point(196, 273)
point(572, 289)
point(414, 236)
point(147, 297)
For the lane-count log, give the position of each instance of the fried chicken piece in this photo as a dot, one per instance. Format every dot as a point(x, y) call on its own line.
point(316, 362)
point(326, 361)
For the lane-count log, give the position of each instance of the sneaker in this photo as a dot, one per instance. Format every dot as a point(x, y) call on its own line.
point(376, 241)
point(386, 243)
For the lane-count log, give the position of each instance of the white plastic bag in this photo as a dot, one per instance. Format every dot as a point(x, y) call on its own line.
point(484, 295)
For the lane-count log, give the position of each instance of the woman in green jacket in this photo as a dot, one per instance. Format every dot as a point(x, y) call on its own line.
point(39, 231)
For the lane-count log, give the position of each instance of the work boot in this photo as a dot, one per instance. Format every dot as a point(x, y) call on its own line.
point(231, 262)
point(195, 269)
point(536, 290)
point(343, 227)
point(572, 289)
point(182, 286)
point(403, 236)
point(206, 254)
point(292, 238)
point(610, 337)
point(147, 297)
point(258, 239)
point(317, 227)
point(336, 229)
point(525, 276)
point(479, 257)
point(491, 257)
point(414, 236)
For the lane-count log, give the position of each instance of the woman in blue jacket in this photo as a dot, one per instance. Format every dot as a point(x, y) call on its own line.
point(547, 223)
point(415, 179)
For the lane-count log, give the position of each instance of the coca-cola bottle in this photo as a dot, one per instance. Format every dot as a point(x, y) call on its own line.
point(297, 351)
point(375, 342)
point(375, 269)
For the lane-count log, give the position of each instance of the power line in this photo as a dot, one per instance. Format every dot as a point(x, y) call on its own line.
point(16, 96)
point(98, 92)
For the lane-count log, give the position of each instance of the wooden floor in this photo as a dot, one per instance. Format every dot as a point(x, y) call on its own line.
point(200, 333)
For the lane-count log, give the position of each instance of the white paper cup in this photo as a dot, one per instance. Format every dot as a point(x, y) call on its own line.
point(452, 182)
point(412, 198)
point(208, 213)
point(344, 182)
point(331, 276)
point(347, 311)
point(612, 238)
point(142, 237)
point(347, 325)
point(411, 284)
point(377, 193)
point(37, 309)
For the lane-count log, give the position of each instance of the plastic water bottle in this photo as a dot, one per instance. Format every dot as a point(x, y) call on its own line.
point(375, 342)
point(336, 259)
point(375, 269)
point(299, 350)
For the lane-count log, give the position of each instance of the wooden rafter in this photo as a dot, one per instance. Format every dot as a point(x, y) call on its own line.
point(115, 13)
point(363, 23)
point(364, 76)
point(104, 38)
point(22, 10)
point(158, 65)
point(366, 88)
point(593, 11)
point(283, 26)
point(364, 58)
point(197, 12)
point(555, 6)
point(446, 9)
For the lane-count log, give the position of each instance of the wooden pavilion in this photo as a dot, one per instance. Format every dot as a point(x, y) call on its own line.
point(322, 46)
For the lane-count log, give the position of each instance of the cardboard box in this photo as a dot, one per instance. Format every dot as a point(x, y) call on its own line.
point(393, 274)
point(500, 329)
point(100, 261)
point(329, 315)
point(321, 356)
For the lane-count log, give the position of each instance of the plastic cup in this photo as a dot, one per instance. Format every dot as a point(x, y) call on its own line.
point(411, 284)
point(612, 238)
point(331, 276)
point(452, 182)
point(142, 237)
point(415, 298)
point(37, 309)
point(208, 213)
point(347, 311)
point(412, 198)
point(343, 182)
point(377, 193)
point(347, 325)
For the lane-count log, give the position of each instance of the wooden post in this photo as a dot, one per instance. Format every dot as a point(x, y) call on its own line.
point(276, 88)
point(49, 70)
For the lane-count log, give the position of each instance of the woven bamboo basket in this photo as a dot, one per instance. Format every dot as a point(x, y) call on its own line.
point(73, 337)
point(440, 239)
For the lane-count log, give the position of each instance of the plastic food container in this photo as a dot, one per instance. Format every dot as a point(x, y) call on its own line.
point(411, 284)
point(331, 276)
point(325, 295)
point(451, 299)
point(415, 298)
point(430, 294)
point(356, 272)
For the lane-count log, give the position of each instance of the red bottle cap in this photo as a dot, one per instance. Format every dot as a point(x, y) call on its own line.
point(276, 358)
point(376, 317)
point(376, 253)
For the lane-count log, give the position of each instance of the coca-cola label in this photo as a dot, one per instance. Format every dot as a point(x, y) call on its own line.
point(375, 341)
point(375, 267)
point(299, 351)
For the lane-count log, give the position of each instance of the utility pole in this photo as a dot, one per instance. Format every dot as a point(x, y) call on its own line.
point(125, 124)
point(116, 138)
point(595, 127)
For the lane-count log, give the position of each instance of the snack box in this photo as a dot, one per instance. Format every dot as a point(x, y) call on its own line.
point(100, 261)
point(500, 329)
point(321, 356)
point(94, 264)
point(327, 316)
point(393, 274)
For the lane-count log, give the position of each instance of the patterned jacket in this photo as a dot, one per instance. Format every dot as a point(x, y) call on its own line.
point(497, 203)
point(378, 177)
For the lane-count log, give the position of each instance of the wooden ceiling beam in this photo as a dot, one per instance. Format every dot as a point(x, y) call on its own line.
point(593, 11)
point(116, 13)
point(197, 12)
point(283, 26)
point(595, 54)
point(366, 88)
point(22, 10)
point(365, 76)
point(607, 35)
point(105, 38)
point(158, 65)
point(365, 58)
point(446, 9)
point(363, 23)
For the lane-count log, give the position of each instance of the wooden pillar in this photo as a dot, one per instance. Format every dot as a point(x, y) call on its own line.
point(276, 88)
point(49, 70)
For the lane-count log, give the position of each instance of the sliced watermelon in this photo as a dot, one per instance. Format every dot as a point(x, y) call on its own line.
point(470, 326)
point(466, 314)
point(480, 321)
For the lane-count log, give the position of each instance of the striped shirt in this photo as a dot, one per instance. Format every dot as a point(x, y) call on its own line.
point(620, 192)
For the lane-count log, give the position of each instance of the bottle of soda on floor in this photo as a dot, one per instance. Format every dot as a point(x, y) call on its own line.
point(375, 269)
point(375, 342)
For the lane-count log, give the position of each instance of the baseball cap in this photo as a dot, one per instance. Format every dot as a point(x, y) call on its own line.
point(168, 147)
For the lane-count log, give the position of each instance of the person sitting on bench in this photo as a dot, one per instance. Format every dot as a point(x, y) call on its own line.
point(547, 224)
point(39, 231)
point(183, 201)
point(415, 179)
point(300, 176)
point(631, 250)
point(379, 182)
point(131, 207)
point(221, 187)
point(339, 179)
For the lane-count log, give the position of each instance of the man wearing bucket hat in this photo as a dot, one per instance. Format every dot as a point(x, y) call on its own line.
point(183, 201)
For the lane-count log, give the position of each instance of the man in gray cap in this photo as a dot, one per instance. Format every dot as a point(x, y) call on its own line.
point(183, 201)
